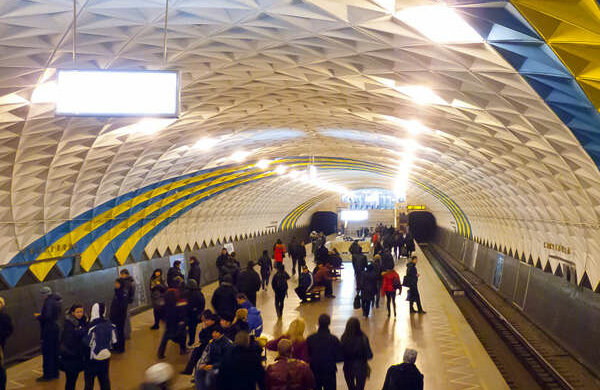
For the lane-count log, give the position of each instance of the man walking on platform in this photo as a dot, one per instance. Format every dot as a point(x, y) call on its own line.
point(325, 350)
point(411, 281)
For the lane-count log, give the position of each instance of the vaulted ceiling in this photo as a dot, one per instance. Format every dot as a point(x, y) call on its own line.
point(508, 135)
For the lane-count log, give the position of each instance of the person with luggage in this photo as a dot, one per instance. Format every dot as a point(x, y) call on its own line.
point(101, 337)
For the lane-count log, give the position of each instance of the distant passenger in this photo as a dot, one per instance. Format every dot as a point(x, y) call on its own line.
point(280, 287)
point(325, 351)
point(287, 373)
point(412, 282)
point(279, 251)
point(73, 352)
point(195, 271)
point(357, 353)
point(195, 307)
point(118, 313)
point(129, 284)
point(294, 252)
point(221, 260)
point(305, 283)
point(50, 332)
point(391, 283)
point(223, 299)
point(175, 313)
point(101, 337)
point(175, 276)
point(158, 288)
point(295, 334)
point(249, 282)
point(266, 265)
point(405, 376)
point(6, 329)
point(368, 289)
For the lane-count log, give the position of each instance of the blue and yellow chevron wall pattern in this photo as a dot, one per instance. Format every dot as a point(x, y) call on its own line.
point(290, 221)
point(123, 226)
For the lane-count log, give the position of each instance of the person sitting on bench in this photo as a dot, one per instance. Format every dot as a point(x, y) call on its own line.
point(335, 259)
point(322, 278)
point(305, 283)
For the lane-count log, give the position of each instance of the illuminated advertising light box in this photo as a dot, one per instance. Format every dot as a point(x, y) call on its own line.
point(118, 93)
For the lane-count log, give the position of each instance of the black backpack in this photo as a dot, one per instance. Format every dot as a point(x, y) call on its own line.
point(279, 282)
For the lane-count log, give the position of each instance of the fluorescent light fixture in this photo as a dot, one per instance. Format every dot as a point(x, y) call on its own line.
point(146, 126)
point(205, 143)
point(439, 23)
point(421, 94)
point(355, 215)
point(312, 171)
point(239, 155)
point(280, 170)
point(45, 93)
point(263, 164)
point(118, 93)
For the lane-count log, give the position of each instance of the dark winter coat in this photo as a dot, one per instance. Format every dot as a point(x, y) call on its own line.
point(173, 274)
point(325, 350)
point(6, 327)
point(241, 369)
point(357, 351)
point(195, 300)
point(118, 306)
point(223, 300)
point(368, 288)
point(249, 282)
point(405, 376)
point(129, 285)
point(280, 287)
point(322, 255)
point(51, 311)
point(409, 242)
point(387, 260)
point(218, 350)
point(412, 277)
point(158, 289)
point(266, 265)
point(175, 314)
point(231, 268)
point(73, 352)
point(195, 272)
point(221, 260)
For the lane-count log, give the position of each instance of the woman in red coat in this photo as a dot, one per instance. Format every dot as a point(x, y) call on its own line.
point(278, 251)
point(391, 283)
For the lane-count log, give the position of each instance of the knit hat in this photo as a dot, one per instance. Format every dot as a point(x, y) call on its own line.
point(45, 290)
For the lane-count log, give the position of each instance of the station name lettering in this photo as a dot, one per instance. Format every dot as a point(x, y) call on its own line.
point(557, 247)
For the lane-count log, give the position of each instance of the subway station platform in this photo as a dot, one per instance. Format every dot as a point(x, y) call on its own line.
point(450, 355)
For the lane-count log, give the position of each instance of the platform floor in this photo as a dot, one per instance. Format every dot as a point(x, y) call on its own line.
point(450, 355)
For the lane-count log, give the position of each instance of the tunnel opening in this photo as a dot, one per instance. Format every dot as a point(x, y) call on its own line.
point(422, 225)
point(324, 221)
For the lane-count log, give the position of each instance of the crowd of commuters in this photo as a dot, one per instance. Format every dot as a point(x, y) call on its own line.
point(227, 350)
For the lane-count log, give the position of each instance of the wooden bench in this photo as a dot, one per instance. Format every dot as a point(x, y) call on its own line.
point(314, 294)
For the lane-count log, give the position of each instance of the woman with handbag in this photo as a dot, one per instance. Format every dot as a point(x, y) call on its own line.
point(391, 283)
point(357, 352)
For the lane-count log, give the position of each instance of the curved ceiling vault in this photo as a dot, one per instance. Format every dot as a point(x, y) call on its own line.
point(511, 138)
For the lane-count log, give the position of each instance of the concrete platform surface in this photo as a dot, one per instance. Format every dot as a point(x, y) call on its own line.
point(450, 355)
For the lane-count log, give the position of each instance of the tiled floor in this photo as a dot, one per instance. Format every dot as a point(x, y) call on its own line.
point(450, 355)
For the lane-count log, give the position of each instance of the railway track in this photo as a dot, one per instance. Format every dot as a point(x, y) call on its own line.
point(526, 358)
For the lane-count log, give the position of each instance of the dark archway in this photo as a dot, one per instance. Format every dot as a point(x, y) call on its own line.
point(324, 221)
point(422, 225)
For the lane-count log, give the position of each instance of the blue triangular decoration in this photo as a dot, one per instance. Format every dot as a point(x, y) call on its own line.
point(12, 275)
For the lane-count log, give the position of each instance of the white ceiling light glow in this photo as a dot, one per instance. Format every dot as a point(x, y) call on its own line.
point(206, 144)
point(239, 155)
point(421, 94)
point(45, 93)
point(439, 23)
point(146, 126)
point(263, 164)
point(118, 93)
point(281, 169)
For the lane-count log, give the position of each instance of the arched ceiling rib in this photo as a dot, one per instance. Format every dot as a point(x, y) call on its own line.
point(293, 78)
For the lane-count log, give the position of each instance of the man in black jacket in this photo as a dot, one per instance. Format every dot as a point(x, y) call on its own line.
point(249, 282)
point(118, 313)
point(6, 329)
point(195, 271)
point(221, 260)
point(412, 281)
point(174, 275)
point(223, 299)
point(50, 330)
point(405, 376)
point(325, 350)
